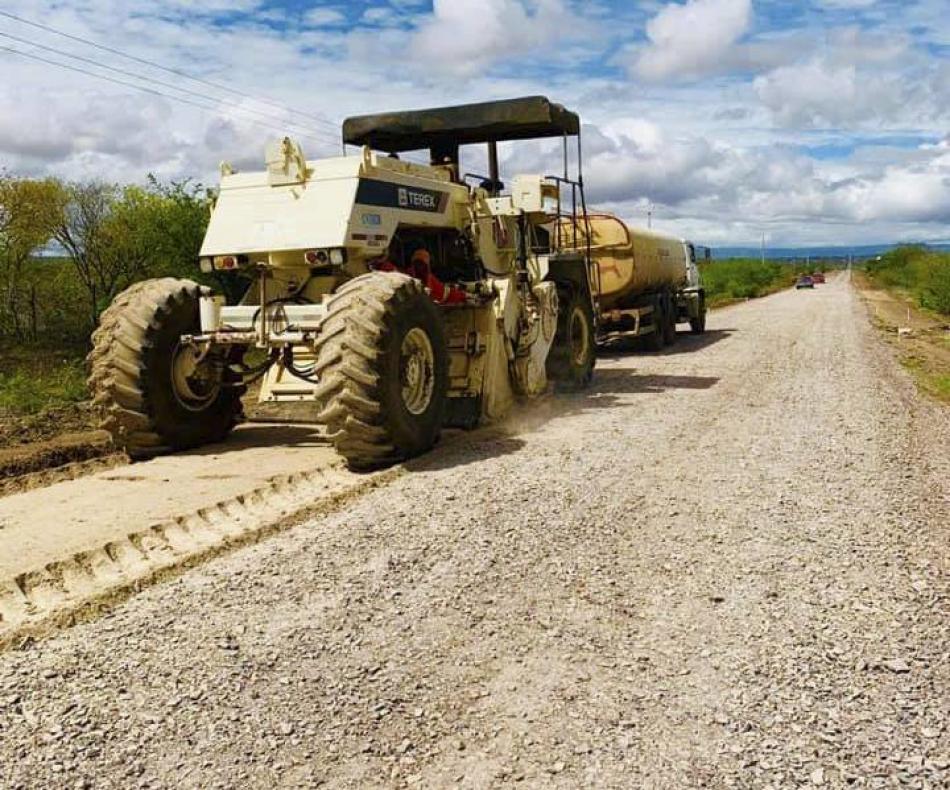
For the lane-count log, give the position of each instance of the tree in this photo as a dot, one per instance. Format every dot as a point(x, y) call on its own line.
point(182, 209)
point(116, 236)
point(84, 233)
point(30, 211)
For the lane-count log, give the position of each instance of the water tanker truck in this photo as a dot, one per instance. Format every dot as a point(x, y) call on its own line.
point(647, 282)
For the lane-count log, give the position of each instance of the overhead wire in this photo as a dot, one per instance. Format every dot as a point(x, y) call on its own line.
point(147, 90)
point(308, 133)
point(291, 126)
point(178, 72)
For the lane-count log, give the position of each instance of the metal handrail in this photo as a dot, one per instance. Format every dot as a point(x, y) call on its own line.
point(577, 189)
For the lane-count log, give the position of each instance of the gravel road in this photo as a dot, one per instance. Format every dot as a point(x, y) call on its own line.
point(727, 566)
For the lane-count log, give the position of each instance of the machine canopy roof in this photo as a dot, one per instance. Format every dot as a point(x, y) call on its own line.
point(511, 119)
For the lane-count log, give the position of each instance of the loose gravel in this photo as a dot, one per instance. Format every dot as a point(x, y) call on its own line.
point(726, 566)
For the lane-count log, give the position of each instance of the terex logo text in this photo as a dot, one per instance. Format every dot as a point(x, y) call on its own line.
point(410, 198)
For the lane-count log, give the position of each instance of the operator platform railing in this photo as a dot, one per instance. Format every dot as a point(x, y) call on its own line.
point(577, 235)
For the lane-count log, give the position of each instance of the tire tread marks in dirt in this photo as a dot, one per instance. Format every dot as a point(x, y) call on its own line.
point(84, 583)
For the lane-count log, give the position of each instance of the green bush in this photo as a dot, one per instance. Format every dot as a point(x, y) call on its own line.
point(923, 274)
point(745, 278)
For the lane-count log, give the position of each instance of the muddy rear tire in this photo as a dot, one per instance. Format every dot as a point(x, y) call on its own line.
point(570, 363)
point(382, 363)
point(135, 361)
point(697, 325)
point(656, 340)
point(669, 318)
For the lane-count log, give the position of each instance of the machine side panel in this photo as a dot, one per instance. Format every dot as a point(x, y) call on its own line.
point(262, 218)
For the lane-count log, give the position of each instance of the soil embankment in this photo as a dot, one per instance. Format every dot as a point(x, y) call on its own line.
point(920, 339)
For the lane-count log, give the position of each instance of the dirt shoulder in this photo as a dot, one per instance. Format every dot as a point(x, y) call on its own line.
point(53, 446)
point(921, 339)
point(58, 444)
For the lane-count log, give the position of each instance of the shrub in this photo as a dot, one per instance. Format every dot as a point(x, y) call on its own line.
point(923, 274)
point(744, 278)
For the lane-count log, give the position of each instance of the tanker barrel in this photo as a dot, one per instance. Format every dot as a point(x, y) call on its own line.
point(632, 261)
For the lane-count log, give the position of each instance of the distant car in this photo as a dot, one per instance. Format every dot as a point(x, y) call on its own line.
point(805, 282)
point(818, 278)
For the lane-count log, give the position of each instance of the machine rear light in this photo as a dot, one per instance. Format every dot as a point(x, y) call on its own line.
point(226, 262)
point(336, 256)
point(206, 265)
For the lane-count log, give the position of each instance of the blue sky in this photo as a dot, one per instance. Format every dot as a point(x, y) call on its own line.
point(816, 122)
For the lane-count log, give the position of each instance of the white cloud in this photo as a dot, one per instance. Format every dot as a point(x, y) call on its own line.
point(690, 40)
point(918, 195)
point(828, 91)
point(383, 17)
point(723, 159)
point(849, 4)
point(811, 94)
point(719, 191)
point(323, 17)
point(466, 36)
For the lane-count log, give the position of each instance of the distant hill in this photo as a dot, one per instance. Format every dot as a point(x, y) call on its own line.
point(816, 253)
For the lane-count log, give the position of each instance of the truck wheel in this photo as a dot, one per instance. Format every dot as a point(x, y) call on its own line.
point(656, 340)
point(153, 393)
point(382, 363)
point(669, 316)
point(698, 325)
point(570, 363)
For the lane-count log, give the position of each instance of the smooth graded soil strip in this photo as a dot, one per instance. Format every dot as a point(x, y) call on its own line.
point(46, 525)
point(75, 547)
point(721, 568)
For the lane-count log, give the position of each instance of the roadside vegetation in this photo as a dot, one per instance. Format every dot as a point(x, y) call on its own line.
point(66, 249)
point(909, 292)
point(917, 272)
point(736, 279)
point(39, 379)
point(932, 376)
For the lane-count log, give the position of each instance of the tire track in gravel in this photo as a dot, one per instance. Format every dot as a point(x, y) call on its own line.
point(724, 567)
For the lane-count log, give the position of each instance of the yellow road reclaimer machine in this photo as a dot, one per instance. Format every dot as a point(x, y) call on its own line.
point(346, 263)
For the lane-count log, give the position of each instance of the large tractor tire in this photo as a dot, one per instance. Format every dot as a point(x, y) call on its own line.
point(382, 363)
point(697, 325)
point(150, 393)
point(570, 363)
